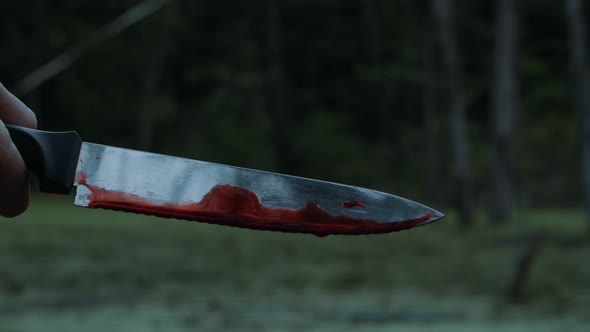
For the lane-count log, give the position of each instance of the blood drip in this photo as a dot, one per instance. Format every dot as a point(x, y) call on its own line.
point(236, 206)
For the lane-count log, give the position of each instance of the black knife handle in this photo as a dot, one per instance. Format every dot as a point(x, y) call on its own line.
point(51, 156)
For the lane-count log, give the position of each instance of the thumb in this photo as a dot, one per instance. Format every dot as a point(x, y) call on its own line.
point(14, 185)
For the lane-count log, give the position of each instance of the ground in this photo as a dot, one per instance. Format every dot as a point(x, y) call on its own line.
point(71, 269)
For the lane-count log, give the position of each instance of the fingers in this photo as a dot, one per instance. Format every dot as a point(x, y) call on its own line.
point(14, 185)
point(13, 111)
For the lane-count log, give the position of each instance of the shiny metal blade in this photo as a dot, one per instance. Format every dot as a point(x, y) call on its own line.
point(135, 181)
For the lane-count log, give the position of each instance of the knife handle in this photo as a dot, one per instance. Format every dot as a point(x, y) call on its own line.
point(51, 156)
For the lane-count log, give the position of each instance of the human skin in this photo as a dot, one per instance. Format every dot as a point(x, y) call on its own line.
point(14, 183)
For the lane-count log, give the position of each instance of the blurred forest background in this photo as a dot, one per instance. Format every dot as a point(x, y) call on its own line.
point(478, 108)
point(469, 103)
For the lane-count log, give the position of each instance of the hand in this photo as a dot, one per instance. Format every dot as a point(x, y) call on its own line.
point(14, 184)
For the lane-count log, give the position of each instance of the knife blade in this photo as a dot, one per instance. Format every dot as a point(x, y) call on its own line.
point(173, 187)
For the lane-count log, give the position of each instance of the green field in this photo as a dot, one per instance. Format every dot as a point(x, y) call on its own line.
point(71, 269)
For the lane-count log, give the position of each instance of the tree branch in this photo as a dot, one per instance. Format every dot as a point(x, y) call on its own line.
point(65, 59)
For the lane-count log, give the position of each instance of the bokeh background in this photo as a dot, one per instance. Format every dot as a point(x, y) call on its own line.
point(477, 108)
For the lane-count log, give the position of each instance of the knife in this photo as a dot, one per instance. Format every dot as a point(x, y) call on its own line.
point(172, 187)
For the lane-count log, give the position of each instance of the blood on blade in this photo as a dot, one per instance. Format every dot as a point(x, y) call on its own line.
point(236, 206)
point(353, 203)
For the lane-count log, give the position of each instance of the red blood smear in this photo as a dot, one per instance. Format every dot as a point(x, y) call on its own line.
point(236, 206)
point(353, 203)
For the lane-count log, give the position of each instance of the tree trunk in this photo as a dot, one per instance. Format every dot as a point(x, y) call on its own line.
point(372, 25)
point(379, 88)
point(580, 80)
point(504, 111)
point(158, 33)
point(443, 13)
point(429, 96)
point(151, 84)
point(278, 112)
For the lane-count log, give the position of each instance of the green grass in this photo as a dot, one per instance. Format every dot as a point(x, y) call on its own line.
point(68, 269)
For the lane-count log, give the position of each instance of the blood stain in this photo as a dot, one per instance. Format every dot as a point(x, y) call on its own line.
point(353, 203)
point(236, 206)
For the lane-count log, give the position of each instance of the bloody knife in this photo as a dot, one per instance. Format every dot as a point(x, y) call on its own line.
point(165, 186)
